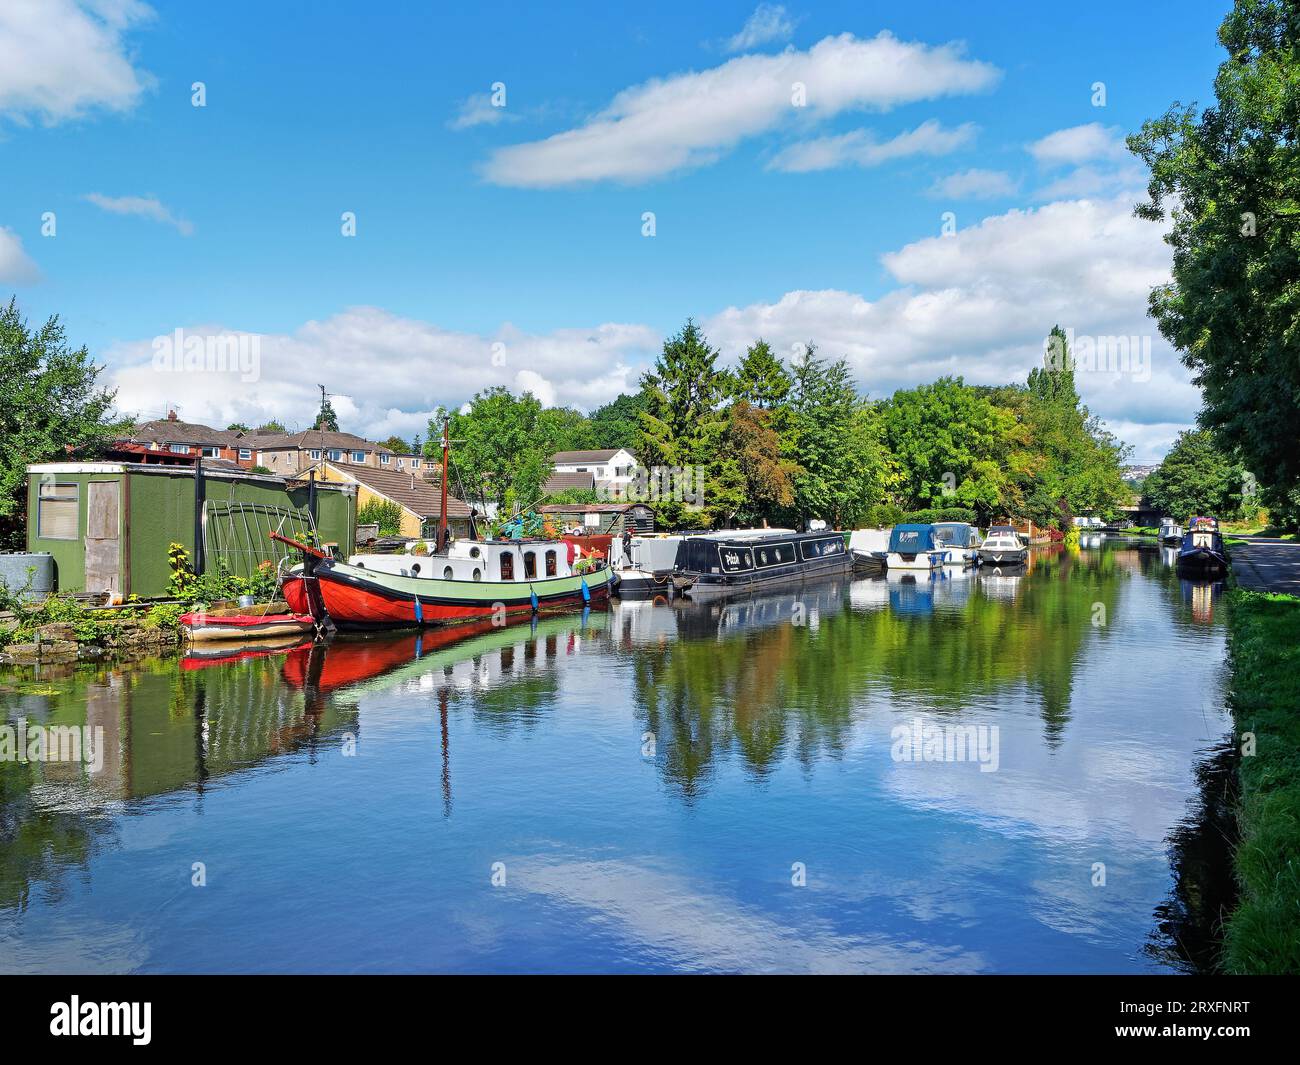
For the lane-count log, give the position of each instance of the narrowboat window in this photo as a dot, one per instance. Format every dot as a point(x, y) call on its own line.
point(474, 552)
point(735, 559)
point(530, 565)
point(507, 566)
point(478, 574)
point(56, 512)
point(446, 573)
point(550, 563)
point(810, 548)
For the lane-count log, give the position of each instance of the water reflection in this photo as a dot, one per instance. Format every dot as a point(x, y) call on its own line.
point(644, 768)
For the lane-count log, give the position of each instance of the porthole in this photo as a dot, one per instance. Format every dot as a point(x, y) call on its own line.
point(478, 574)
point(474, 553)
point(446, 573)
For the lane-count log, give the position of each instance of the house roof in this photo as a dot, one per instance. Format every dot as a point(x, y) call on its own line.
point(562, 482)
point(411, 491)
point(313, 439)
point(174, 431)
point(584, 456)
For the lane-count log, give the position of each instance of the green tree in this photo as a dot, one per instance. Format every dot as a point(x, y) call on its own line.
point(685, 418)
point(950, 441)
point(398, 445)
point(1232, 176)
point(272, 426)
point(382, 512)
point(326, 418)
point(237, 427)
point(51, 405)
point(618, 424)
point(762, 380)
point(753, 482)
point(1196, 477)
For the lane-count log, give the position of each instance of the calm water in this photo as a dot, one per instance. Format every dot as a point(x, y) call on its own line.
point(647, 779)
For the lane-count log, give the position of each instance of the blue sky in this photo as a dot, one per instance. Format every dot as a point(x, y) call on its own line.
point(504, 245)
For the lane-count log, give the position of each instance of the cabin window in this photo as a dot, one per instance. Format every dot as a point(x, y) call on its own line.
point(478, 574)
point(507, 566)
point(474, 552)
point(550, 563)
point(530, 565)
point(811, 548)
point(57, 512)
point(446, 573)
point(737, 559)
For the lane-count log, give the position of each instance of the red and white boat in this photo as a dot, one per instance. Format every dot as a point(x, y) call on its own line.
point(467, 580)
point(203, 626)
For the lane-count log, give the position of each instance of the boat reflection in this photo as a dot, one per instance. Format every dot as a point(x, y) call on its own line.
point(1201, 597)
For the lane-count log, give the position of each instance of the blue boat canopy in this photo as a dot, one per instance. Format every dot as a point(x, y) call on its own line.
point(911, 539)
point(954, 533)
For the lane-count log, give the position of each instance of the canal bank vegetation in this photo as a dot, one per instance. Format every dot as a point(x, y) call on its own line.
point(1263, 934)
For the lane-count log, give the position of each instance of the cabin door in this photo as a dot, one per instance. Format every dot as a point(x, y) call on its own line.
point(103, 536)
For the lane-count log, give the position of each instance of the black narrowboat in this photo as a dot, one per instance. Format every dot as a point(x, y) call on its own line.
point(723, 561)
point(1203, 552)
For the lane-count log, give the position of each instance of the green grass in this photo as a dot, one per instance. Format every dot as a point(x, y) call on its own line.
point(1263, 934)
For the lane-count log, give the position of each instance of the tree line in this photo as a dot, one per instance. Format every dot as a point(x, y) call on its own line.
point(781, 441)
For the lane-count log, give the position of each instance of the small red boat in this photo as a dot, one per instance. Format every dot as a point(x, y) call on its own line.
point(201, 626)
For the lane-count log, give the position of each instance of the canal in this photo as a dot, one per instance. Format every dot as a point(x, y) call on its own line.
point(989, 772)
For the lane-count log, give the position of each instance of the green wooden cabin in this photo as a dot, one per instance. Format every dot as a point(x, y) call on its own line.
point(108, 525)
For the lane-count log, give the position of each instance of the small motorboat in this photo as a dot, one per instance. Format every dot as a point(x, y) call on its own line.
point(1003, 549)
point(252, 624)
point(647, 567)
point(1202, 551)
point(869, 548)
point(915, 547)
point(961, 540)
point(1170, 532)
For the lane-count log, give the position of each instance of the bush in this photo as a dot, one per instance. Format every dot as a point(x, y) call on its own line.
point(884, 515)
point(937, 514)
point(382, 512)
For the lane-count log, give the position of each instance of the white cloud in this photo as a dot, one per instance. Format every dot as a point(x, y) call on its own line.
point(141, 207)
point(690, 120)
point(16, 267)
point(62, 58)
point(478, 110)
point(859, 147)
point(975, 184)
point(413, 367)
point(977, 304)
point(769, 22)
point(980, 303)
point(1091, 143)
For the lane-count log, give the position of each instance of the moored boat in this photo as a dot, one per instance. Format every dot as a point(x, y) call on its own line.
point(869, 548)
point(962, 541)
point(647, 567)
point(743, 559)
point(243, 624)
point(914, 547)
point(1170, 532)
point(1202, 550)
point(1002, 549)
point(459, 581)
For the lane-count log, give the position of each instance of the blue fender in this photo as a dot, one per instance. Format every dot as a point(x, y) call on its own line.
point(586, 592)
point(419, 612)
point(532, 596)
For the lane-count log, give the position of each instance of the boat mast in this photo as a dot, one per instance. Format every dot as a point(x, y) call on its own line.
point(442, 514)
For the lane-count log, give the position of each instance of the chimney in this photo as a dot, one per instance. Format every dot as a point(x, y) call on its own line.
point(171, 415)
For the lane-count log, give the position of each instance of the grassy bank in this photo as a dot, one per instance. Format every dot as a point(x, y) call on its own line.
point(1263, 935)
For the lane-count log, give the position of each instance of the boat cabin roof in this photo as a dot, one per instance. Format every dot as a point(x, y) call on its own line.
point(906, 539)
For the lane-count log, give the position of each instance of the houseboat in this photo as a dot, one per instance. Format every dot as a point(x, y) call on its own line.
point(1170, 532)
point(914, 547)
point(1003, 548)
point(759, 558)
point(457, 582)
point(1202, 551)
point(962, 541)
